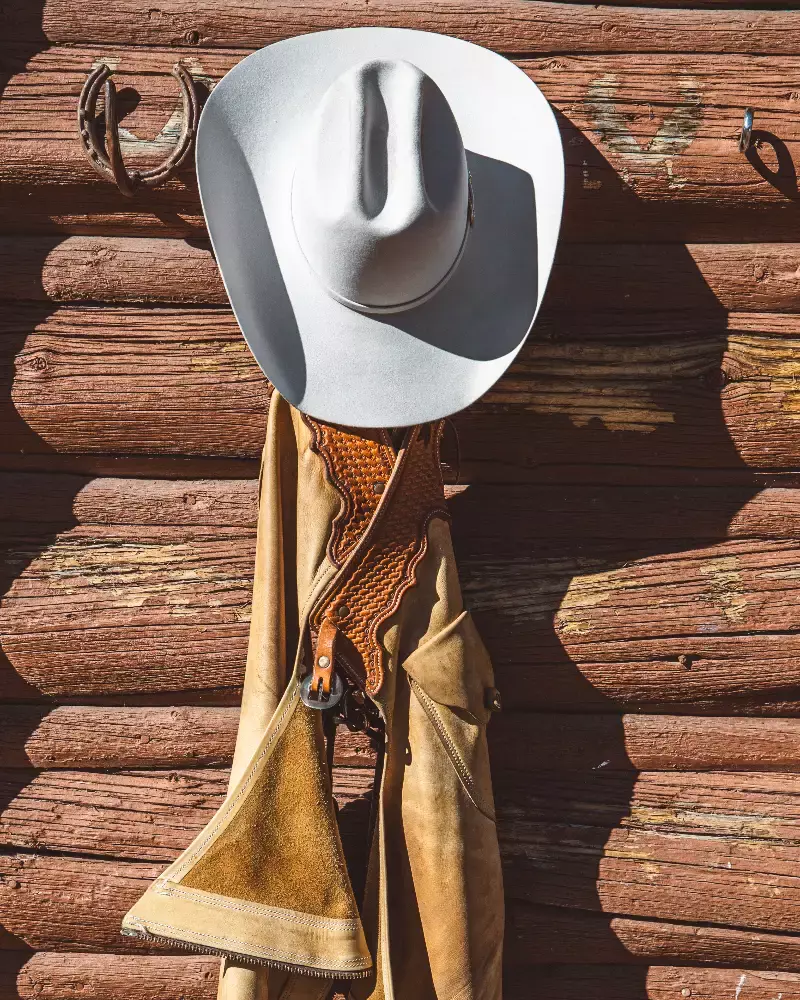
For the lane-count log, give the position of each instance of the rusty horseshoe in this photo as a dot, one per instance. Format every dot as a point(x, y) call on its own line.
point(107, 158)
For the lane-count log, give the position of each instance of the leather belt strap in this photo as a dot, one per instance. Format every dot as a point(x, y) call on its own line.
point(378, 540)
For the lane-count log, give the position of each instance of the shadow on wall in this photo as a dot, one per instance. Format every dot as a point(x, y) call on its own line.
point(624, 405)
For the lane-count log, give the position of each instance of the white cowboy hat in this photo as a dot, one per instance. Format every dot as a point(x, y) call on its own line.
point(384, 206)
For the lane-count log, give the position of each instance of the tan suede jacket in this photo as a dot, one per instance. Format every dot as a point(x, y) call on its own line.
point(265, 883)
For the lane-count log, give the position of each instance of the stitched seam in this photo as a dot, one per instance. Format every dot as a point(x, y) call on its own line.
point(254, 948)
point(212, 833)
point(457, 760)
point(243, 906)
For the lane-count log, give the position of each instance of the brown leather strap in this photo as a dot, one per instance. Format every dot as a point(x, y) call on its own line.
point(358, 464)
point(380, 535)
point(324, 656)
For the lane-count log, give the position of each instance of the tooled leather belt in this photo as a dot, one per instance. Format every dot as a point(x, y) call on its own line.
point(378, 539)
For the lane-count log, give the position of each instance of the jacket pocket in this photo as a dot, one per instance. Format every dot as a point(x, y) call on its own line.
point(452, 678)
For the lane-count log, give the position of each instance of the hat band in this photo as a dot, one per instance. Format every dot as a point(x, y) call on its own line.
point(420, 299)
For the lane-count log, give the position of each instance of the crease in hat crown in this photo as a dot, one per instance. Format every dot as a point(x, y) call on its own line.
point(381, 200)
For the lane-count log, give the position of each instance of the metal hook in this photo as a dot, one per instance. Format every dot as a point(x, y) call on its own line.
point(747, 130)
point(107, 159)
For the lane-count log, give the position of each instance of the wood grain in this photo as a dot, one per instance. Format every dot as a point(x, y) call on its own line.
point(483, 515)
point(67, 904)
point(509, 27)
point(521, 741)
point(646, 392)
point(576, 982)
point(149, 609)
point(653, 849)
point(739, 278)
point(550, 935)
point(713, 848)
point(61, 903)
point(84, 737)
point(680, 367)
point(139, 815)
point(649, 140)
point(49, 976)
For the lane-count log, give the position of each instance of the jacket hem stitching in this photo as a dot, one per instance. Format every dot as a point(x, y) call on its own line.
point(258, 909)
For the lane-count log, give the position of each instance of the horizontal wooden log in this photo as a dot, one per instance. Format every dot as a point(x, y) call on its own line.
point(715, 848)
point(84, 737)
point(173, 381)
point(650, 141)
point(634, 861)
point(735, 674)
point(152, 815)
point(487, 517)
point(657, 983)
point(102, 977)
point(549, 935)
point(509, 27)
point(61, 903)
point(143, 815)
point(521, 741)
point(49, 976)
point(233, 503)
point(739, 278)
point(148, 609)
point(65, 904)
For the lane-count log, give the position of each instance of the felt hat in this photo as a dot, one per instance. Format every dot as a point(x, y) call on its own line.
point(384, 207)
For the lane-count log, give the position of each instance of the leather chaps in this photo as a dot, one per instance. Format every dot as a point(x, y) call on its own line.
point(357, 618)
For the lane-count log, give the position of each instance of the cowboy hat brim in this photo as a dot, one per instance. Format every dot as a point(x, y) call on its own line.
point(331, 361)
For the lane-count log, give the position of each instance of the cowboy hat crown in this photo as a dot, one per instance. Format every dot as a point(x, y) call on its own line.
point(380, 197)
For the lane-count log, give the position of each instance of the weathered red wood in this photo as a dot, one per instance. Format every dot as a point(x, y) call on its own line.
point(650, 140)
point(739, 278)
point(68, 904)
point(651, 875)
point(49, 976)
point(522, 740)
point(550, 935)
point(82, 737)
point(58, 903)
point(714, 848)
point(149, 609)
point(657, 983)
point(182, 382)
point(140, 815)
point(486, 517)
point(511, 27)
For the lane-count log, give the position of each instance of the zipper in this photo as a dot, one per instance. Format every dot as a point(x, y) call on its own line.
point(142, 934)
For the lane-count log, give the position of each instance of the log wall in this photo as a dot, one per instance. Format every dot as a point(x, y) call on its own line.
point(626, 508)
